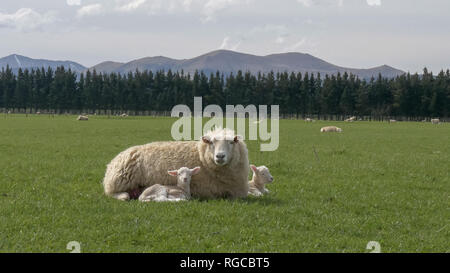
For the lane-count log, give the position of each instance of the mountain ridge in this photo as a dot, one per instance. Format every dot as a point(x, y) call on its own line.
point(225, 61)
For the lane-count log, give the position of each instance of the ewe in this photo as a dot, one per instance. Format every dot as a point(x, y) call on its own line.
point(261, 177)
point(221, 154)
point(83, 117)
point(330, 129)
point(182, 191)
point(435, 121)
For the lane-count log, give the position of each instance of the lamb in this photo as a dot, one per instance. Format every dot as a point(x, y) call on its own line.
point(330, 129)
point(182, 191)
point(261, 177)
point(222, 156)
point(81, 117)
point(435, 121)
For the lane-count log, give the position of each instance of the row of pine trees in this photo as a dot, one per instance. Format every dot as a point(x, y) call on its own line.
point(425, 95)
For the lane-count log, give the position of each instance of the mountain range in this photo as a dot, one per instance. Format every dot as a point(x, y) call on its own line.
point(224, 61)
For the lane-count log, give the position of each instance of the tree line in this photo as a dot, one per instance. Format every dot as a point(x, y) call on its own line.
point(61, 90)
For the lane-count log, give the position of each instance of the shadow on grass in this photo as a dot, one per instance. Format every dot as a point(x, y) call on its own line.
point(266, 200)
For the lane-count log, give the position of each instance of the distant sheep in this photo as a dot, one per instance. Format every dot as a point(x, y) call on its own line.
point(392, 121)
point(124, 115)
point(309, 120)
point(435, 121)
point(38, 113)
point(222, 156)
point(180, 192)
point(261, 177)
point(330, 129)
point(83, 117)
point(351, 119)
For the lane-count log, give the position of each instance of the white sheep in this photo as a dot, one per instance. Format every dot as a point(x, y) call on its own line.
point(124, 115)
point(330, 129)
point(392, 121)
point(261, 177)
point(222, 156)
point(180, 192)
point(81, 117)
point(435, 121)
point(351, 119)
point(309, 120)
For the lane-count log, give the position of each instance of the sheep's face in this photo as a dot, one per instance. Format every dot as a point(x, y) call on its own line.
point(221, 148)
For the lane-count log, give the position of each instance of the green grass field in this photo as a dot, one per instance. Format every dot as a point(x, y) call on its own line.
point(373, 182)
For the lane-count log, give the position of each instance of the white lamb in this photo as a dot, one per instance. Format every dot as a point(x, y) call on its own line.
point(180, 192)
point(261, 177)
point(83, 117)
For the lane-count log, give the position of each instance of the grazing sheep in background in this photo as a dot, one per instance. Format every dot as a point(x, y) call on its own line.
point(435, 121)
point(124, 115)
point(330, 129)
point(38, 113)
point(81, 117)
point(392, 121)
point(182, 191)
point(9, 112)
point(309, 120)
point(222, 156)
point(261, 177)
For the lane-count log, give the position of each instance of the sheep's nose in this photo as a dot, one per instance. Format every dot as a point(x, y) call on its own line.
point(220, 156)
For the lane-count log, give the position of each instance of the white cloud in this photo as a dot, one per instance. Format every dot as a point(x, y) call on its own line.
point(73, 2)
point(94, 9)
point(131, 5)
point(309, 3)
point(25, 19)
point(212, 7)
point(374, 2)
point(227, 43)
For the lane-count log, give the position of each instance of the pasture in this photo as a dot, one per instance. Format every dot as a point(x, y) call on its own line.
point(332, 192)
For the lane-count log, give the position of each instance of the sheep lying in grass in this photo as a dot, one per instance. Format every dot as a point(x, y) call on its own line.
point(180, 192)
point(435, 121)
point(351, 119)
point(261, 177)
point(124, 115)
point(221, 154)
point(330, 129)
point(81, 117)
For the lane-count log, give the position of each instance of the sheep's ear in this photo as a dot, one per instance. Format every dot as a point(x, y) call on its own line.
point(254, 169)
point(195, 170)
point(206, 139)
point(237, 138)
point(173, 173)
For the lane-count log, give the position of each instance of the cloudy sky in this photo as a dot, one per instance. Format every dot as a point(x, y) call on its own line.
point(407, 34)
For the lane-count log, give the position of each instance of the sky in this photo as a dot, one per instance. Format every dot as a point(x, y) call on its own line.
point(406, 34)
